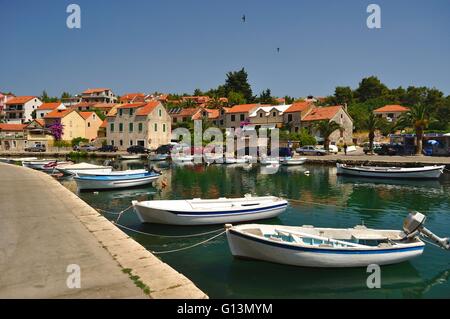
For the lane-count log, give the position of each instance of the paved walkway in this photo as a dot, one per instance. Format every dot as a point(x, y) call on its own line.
point(44, 228)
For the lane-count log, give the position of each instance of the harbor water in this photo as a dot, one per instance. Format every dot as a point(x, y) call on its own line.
point(319, 198)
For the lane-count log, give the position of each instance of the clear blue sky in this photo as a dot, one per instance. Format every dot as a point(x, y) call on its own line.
point(180, 45)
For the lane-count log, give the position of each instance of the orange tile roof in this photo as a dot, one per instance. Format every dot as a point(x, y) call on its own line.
point(130, 97)
point(12, 127)
point(112, 112)
point(99, 90)
point(392, 108)
point(57, 114)
point(49, 106)
point(104, 105)
point(190, 111)
point(322, 113)
point(148, 108)
point(20, 99)
point(104, 124)
point(130, 106)
point(213, 114)
point(41, 122)
point(298, 107)
point(244, 108)
point(86, 115)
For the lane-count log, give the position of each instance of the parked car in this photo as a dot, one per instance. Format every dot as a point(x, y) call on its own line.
point(108, 148)
point(332, 149)
point(164, 149)
point(366, 147)
point(310, 150)
point(137, 149)
point(85, 148)
point(390, 149)
point(36, 148)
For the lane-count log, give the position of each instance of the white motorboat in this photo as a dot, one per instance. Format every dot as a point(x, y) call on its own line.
point(38, 164)
point(126, 157)
point(425, 172)
point(51, 167)
point(82, 167)
point(235, 160)
point(21, 159)
point(308, 246)
point(112, 173)
point(290, 161)
point(209, 211)
point(158, 157)
point(183, 158)
point(269, 160)
point(103, 182)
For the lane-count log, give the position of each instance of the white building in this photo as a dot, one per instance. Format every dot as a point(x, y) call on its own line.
point(46, 108)
point(18, 110)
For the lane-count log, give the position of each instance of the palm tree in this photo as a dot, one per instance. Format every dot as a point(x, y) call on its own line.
point(418, 117)
point(326, 128)
point(373, 123)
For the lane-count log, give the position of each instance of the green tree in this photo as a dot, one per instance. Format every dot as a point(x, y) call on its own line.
point(326, 128)
point(198, 92)
point(33, 115)
point(370, 88)
point(417, 118)
point(372, 123)
point(236, 98)
point(343, 95)
point(66, 95)
point(266, 98)
point(238, 82)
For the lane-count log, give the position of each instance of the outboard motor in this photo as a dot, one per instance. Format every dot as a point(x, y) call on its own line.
point(413, 225)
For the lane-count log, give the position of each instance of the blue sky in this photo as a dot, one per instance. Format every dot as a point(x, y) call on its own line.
point(180, 45)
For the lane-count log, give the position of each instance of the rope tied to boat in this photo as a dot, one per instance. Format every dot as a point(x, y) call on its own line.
point(166, 236)
point(188, 247)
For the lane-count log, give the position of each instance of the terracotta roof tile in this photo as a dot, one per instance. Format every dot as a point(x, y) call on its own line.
point(57, 114)
point(298, 107)
point(322, 113)
point(244, 108)
point(104, 124)
point(86, 115)
point(20, 99)
point(148, 108)
point(392, 108)
point(49, 106)
point(12, 127)
point(131, 106)
point(99, 90)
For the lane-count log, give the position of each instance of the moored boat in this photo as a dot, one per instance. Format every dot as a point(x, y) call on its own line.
point(82, 167)
point(425, 172)
point(308, 246)
point(38, 164)
point(209, 211)
point(112, 173)
point(158, 157)
point(104, 182)
point(290, 161)
point(130, 157)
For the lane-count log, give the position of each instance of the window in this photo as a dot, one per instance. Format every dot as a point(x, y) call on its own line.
point(156, 127)
point(120, 112)
point(274, 114)
point(120, 142)
point(120, 127)
point(111, 128)
point(242, 117)
point(131, 112)
point(140, 127)
point(391, 115)
point(233, 118)
point(260, 114)
point(130, 127)
point(112, 142)
point(164, 128)
point(89, 124)
point(131, 142)
point(289, 117)
point(160, 113)
point(221, 122)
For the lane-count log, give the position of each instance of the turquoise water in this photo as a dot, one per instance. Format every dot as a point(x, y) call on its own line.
point(323, 200)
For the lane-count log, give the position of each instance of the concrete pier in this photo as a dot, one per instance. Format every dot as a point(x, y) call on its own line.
point(44, 228)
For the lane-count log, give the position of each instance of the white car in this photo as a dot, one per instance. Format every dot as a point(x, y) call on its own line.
point(333, 149)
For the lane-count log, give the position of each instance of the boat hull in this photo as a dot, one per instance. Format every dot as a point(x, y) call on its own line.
point(432, 172)
point(69, 171)
point(85, 183)
point(293, 162)
point(169, 217)
point(245, 246)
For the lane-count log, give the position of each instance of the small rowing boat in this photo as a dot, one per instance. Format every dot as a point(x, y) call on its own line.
point(209, 211)
point(425, 172)
point(290, 161)
point(39, 164)
point(126, 157)
point(112, 173)
point(83, 167)
point(115, 181)
point(308, 246)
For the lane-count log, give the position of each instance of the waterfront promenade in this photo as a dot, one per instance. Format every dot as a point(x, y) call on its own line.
point(44, 228)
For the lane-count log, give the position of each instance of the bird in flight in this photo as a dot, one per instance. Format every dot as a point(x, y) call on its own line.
point(243, 18)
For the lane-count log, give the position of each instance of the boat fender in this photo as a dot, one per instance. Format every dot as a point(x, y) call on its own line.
point(134, 202)
point(228, 226)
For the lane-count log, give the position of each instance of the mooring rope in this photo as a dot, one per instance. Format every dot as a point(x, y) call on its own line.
point(189, 247)
point(167, 236)
point(343, 207)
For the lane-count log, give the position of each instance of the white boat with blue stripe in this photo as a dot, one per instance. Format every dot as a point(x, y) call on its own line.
point(209, 211)
point(115, 180)
point(308, 246)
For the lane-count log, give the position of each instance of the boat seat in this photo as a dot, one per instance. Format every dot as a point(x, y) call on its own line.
point(255, 231)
